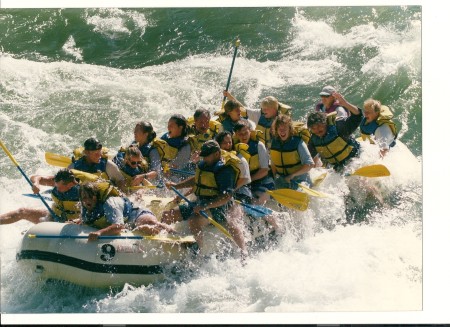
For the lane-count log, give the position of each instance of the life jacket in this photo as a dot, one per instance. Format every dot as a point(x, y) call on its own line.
point(145, 151)
point(321, 108)
point(168, 147)
point(205, 181)
point(300, 129)
point(228, 124)
point(333, 148)
point(66, 204)
point(78, 153)
point(265, 124)
point(83, 176)
point(284, 155)
point(98, 169)
point(197, 139)
point(129, 173)
point(250, 151)
point(385, 117)
point(96, 218)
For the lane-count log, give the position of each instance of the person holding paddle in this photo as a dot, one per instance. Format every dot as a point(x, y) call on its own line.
point(64, 195)
point(135, 168)
point(331, 139)
point(213, 184)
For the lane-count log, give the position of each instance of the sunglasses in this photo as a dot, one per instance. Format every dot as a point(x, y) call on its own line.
point(325, 96)
point(135, 162)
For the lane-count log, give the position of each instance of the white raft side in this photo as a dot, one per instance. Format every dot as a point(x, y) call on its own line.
point(96, 264)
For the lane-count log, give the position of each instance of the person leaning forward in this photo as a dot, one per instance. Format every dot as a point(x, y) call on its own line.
point(213, 184)
point(64, 195)
point(331, 140)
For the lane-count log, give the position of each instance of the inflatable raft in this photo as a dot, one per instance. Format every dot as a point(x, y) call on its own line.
point(61, 251)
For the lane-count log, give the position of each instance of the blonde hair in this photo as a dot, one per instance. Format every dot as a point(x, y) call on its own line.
point(269, 101)
point(281, 120)
point(372, 104)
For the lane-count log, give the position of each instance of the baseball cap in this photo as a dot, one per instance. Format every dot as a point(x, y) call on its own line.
point(327, 90)
point(92, 144)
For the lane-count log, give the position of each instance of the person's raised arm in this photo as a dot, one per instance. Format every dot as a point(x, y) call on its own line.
point(352, 108)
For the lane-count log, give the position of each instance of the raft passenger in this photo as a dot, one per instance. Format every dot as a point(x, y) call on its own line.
point(377, 125)
point(105, 209)
point(213, 184)
point(329, 103)
point(144, 135)
point(331, 140)
point(64, 195)
point(93, 161)
point(291, 160)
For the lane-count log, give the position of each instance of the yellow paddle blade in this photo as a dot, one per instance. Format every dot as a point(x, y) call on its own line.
point(220, 227)
point(319, 179)
point(291, 198)
point(372, 171)
point(171, 239)
point(311, 192)
point(57, 160)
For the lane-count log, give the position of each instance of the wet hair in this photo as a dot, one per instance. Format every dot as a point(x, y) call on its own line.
point(316, 118)
point(241, 124)
point(372, 104)
point(65, 176)
point(270, 101)
point(230, 105)
point(133, 151)
point(281, 119)
point(180, 120)
point(90, 189)
point(200, 112)
point(147, 127)
point(220, 137)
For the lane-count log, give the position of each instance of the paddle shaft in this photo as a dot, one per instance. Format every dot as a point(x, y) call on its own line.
point(29, 181)
point(111, 237)
point(204, 214)
point(238, 42)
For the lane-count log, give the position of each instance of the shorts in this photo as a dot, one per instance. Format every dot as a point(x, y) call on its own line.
point(218, 214)
point(136, 213)
point(263, 185)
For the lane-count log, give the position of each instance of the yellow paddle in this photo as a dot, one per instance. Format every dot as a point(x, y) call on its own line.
point(319, 179)
point(204, 214)
point(54, 215)
point(371, 171)
point(57, 160)
point(291, 198)
point(312, 192)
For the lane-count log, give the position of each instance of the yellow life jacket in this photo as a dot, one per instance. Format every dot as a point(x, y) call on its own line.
point(83, 176)
point(385, 117)
point(79, 152)
point(196, 139)
point(167, 152)
point(250, 151)
point(205, 181)
point(66, 205)
point(332, 147)
point(284, 155)
point(300, 129)
point(264, 125)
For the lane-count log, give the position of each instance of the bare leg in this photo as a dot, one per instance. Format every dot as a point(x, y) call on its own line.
point(32, 215)
point(234, 221)
point(196, 225)
point(148, 224)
